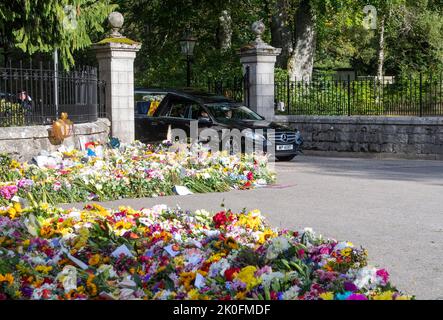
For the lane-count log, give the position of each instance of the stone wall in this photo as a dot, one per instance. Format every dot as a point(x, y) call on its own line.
point(381, 137)
point(23, 143)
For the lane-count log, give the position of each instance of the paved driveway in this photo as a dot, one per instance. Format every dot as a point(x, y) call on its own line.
point(392, 208)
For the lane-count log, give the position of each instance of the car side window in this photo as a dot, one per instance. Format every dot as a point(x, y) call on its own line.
point(177, 109)
point(180, 108)
point(147, 103)
point(198, 112)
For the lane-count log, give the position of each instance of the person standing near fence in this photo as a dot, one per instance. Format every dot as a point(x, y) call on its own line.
point(26, 102)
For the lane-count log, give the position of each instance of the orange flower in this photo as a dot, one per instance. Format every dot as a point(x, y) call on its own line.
point(9, 278)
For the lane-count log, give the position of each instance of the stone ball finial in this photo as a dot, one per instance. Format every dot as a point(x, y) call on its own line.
point(258, 28)
point(116, 21)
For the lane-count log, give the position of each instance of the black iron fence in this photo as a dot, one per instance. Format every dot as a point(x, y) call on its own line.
point(236, 88)
point(421, 95)
point(37, 95)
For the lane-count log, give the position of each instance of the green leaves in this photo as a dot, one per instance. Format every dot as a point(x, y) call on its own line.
point(42, 26)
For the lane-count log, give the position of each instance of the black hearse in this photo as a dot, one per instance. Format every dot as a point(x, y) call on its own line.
point(157, 110)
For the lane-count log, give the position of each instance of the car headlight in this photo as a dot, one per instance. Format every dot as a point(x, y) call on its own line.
point(249, 134)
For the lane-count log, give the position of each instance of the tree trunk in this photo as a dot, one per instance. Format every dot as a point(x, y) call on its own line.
point(301, 61)
point(224, 34)
point(281, 33)
point(381, 50)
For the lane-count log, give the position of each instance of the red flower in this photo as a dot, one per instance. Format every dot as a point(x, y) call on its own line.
point(247, 185)
point(89, 145)
point(220, 219)
point(274, 295)
point(301, 253)
point(230, 273)
point(250, 176)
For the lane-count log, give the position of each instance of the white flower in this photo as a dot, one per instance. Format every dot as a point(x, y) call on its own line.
point(68, 278)
point(108, 270)
point(366, 278)
point(37, 293)
point(269, 278)
point(291, 293)
point(218, 268)
point(278, 245)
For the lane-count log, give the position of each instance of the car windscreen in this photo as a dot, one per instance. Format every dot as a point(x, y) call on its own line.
point(224, 112)
point(147, 103)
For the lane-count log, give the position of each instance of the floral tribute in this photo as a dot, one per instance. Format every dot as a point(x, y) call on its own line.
point(132, 171)
point(161, 253)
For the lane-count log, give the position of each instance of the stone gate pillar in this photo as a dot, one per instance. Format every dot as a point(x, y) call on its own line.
point(260, 57)
point(115, 55)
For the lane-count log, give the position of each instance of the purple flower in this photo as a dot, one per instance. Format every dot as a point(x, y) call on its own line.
point(25, 183)
point(27, 292)
point(349, 286)
point(359, 297)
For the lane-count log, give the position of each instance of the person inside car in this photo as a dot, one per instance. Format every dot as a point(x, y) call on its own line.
point(204, 115)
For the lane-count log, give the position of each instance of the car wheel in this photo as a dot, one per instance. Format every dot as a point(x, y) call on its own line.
point(286, 158)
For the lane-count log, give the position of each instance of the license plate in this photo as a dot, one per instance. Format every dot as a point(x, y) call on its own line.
point(285, 147)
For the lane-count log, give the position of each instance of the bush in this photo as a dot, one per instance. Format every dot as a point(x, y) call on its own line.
point(11, 114)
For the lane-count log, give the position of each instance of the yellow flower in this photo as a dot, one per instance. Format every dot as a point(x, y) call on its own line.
point(194, 295)
point(43, 269)
point(231, 243)
point(14, 164)
point(18, 208)
point(241, 295)
point(90, 285)
point(186, 278)
point(94, 260)
point(247, 276)
point(9, 278)
point(252, 220)
point(327, 296)
point(384, 296)
point(346, 252)
point(123, 225)
point(46, 231)
point(12, 212)
point(265, 235)
point(216, 257)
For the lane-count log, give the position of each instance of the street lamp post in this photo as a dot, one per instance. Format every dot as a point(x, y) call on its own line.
point(187, 44)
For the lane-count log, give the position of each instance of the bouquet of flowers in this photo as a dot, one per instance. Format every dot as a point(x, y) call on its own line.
point(163, 253)
point(132, 171)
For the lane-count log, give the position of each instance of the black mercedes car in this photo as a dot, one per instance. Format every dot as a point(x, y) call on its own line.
point(158, 110)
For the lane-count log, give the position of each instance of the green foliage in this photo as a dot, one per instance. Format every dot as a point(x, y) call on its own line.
point(41, 26)
point(11, 114)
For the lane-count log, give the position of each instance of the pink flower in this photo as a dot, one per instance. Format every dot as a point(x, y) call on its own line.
point(8, 192)
point(324, 250)
point(57, 186)
point(357, 296)
point(384, 275)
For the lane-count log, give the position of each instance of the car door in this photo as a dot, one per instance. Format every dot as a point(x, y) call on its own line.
point(177, 114)
point(148, 127)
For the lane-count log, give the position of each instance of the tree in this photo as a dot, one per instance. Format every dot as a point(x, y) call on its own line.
point(42, 26)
